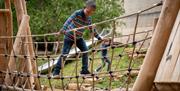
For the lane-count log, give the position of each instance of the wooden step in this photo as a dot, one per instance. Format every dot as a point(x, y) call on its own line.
point(73, 86)
point(167, 86)
point(121, 89)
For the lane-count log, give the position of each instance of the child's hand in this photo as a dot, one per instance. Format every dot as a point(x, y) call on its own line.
point(93, 26)
point(58, 33)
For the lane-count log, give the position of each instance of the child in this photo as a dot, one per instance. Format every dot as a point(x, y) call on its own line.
point(104, 55)
point(78, 19)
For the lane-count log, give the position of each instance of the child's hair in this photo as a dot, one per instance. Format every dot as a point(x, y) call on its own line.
point(108, 40)
point(91, 3)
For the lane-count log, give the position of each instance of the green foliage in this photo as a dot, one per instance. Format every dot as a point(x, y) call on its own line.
point(1, 4)
point(48, 16)
point(107, 9)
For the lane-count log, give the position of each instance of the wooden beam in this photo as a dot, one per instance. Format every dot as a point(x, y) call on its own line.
point(9, 26)
point(3, 43)
point(6, 29)
point(17, 46)
point(4, 10)
point(167, 86)
point(158, 44)
point(11, 88)
point(19, 10)
point(31, 51)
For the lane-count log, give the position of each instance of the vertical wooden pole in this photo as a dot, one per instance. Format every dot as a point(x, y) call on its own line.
point(19, 10)
point(31, 50)
point(16, 46)
point(155, 52)
point(2, 45)
point(9, 25)
point(6, 29)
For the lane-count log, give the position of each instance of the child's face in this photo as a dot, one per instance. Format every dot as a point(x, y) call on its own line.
point(107, 41)
point(90, 11)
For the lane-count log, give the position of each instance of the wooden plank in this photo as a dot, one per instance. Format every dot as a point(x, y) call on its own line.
point(172, 65)
point(176, 74)
point(5, 30)
point(164, 62)
point(11, 88)
point(169, 58)
point(4, 10)
point(165, 59)
point(9, 26)
point(31, 50)
point(161, 86)
point(171, 54)
point(145, 79)
point(2, 46)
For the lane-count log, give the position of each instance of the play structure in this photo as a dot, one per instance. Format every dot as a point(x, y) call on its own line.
point(160, 70)
point(89, 43)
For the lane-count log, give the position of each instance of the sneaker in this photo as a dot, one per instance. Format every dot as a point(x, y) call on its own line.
point(55, 75)
point(95, 72)
point(85, 72)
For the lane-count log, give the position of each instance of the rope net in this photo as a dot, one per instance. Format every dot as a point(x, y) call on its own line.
point(118, 74)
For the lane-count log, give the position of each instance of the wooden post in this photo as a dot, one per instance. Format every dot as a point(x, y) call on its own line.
point(6, 29)
point(31, 50)
point(19, 10)
point(9, 26)
point(17, 46)
point(155, 52)
point(2, 45)
point(33, 62)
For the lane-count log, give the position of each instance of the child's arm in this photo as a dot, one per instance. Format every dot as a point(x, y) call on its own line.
point(92, 29)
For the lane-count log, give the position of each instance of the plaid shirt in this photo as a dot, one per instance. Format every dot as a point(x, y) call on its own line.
point(76, 20)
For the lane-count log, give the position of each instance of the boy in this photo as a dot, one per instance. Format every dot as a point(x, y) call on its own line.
point(104, 54)
point(79, 18)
